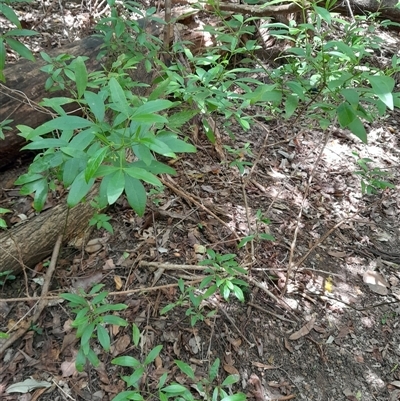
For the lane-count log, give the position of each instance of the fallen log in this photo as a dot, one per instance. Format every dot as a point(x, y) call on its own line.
point(32, 241)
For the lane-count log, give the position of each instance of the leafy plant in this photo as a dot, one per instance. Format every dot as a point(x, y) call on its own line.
point(206, 387)
point(191, 302)
point(77, 151)
point(3, 223)
point(258, 235)
point(92, 315)
point(8, 38)
point(372, 178)
point(222, 274)
point(334, 80)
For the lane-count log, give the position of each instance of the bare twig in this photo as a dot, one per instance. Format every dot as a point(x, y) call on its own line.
point(306, 191)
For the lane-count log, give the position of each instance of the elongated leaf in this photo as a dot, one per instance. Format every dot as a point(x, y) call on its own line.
point(358, 129)
point(126, 361)
point(103, 337)
point(21, 32)
point(10, 14)
point(115, 186)
point(79, 189)
point(383, 87)
point(96, 105)
point(60, 123)
point(3, 55)
point(136, 194)
point(346, 114)
point(74, 298)
point(153, 106)
point(81, 75)
point(45, 143)
point(176, 144)
point(94, 163)
point(142, 174)
point(20, 48)
point(119, 98)
point(153, 354)
point(186, 369)
point(135, 334)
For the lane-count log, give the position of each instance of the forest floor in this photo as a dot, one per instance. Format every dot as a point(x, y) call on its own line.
point(334, 335)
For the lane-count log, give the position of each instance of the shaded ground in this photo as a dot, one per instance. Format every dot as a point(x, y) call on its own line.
point(345, 333)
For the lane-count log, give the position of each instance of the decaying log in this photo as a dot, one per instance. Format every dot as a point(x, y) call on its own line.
point(32, 241)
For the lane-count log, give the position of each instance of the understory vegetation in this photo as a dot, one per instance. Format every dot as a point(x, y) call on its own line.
point(129, 130)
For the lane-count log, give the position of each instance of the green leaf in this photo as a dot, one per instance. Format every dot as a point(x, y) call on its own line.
point(99, 298)
point(267, 237)
point(186, 369)
point(75, 299)
point(175, 144)
point(149, 118)
point(157, 146)
point(119, 98)
point(383, 87)
point(128, 395)
point(153, 354)
point(214, 369)
point(323, 13)
point(175, 389)
point(59, 123)
point(80, 360)
point(291, 105)
point(96, 105)
point(126, 361)
point(115, 186)
point(231, 379)
point(346, 114)
point(10, 14)
point(358, 129)
point(45, 143)
point(87, 334)
point(79, 189)
point(142, 174)
point(93, 359)
point(351, 95)
point(135, 194)
point(81, 75)
point(135, 334)
point(20, 48)
point(110, 307)
point(3, 56)
point(176, 120)
point(235, 397)
point(153, 106)
point(103, 337)
point(21, 32)
point(41, 191)
point(245, 240)
point(94, 162)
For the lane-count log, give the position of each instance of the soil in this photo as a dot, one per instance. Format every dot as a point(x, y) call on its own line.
point(320, 321)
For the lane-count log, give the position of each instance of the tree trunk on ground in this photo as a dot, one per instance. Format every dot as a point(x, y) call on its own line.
point(386, 8)
point(32, 241)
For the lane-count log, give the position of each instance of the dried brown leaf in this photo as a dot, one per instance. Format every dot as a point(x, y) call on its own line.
point(304, 330)
point(231, 369)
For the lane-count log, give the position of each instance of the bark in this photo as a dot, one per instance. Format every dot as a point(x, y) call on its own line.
point(386, 8)
point(32, 241)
